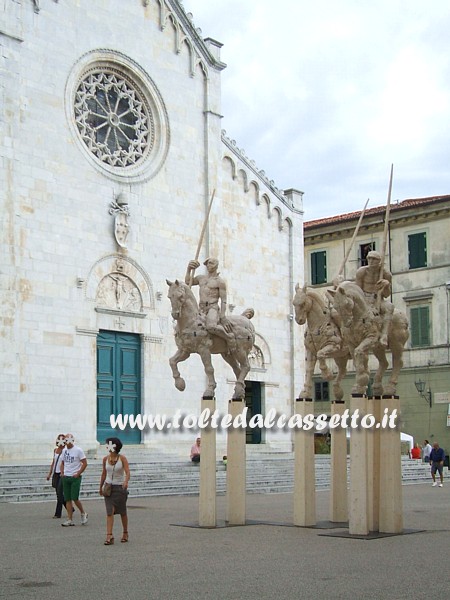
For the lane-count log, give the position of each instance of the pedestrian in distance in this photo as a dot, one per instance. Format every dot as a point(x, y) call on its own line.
point(73, 464)
point(55, 474)
point(114, 488)
point(195, 451)
point(426, 451)
point(437, 458)
point(416, 452)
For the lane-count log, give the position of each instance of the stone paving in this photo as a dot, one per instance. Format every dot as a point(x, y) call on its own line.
point(164, 560)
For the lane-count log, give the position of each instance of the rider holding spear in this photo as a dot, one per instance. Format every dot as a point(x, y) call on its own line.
point(213, 290)
point(376, 281)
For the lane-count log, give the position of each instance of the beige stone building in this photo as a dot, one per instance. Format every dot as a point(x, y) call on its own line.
point(418, 256)
point(111, 148)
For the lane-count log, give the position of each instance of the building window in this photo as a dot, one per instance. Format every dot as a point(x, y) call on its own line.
point(322, 391)
point(419, 317)
point(364, 250)
point(318, 267)
point(117, 116)
point(113, 118)
point(417, 250)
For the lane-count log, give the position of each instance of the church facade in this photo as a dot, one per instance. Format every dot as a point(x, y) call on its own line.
point(112, 147)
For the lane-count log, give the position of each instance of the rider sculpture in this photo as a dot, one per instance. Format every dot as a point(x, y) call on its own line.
point(377, 288)
point(203, 328)
point(213, 291)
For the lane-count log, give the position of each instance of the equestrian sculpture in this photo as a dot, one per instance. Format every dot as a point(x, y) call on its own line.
point(205, 330)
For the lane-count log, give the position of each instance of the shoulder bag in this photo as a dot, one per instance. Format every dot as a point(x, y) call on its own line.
point(107, 487)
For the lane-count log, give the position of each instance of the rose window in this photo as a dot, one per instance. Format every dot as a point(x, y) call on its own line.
point(113, 119)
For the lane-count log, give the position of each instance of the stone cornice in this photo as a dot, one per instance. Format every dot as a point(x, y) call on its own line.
point(195, 33)
point(261, 175)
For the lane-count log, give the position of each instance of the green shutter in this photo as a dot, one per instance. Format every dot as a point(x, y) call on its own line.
point(318, 267)
point(420, 326)
point(417, 250)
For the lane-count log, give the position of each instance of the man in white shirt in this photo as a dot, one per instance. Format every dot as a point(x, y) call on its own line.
point(73, 463)
point(426, 451)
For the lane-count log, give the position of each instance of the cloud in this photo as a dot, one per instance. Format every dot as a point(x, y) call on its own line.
point(325, 96)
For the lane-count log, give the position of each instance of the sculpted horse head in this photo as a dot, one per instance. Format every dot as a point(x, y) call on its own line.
point(322, 339)
point(343, 303)
point(181, 297)
point(306, 299)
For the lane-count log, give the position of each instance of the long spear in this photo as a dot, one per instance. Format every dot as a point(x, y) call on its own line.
point(202, 234)
point(386, 231)
point(352, 241)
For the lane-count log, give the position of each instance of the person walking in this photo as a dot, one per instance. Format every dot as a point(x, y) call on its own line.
point(73, 464)
point(55, 474)
point(426, 451)
point(114, 488)
point(437, 457)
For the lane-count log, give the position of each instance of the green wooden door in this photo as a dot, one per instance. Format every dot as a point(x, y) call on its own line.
point(118, 383)
point(253, 403)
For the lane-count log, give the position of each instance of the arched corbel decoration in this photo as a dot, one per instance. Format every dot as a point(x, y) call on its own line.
point(279, 215)
point(228, 160)
point(243, 175)
point(266, 199)
point(254, 190)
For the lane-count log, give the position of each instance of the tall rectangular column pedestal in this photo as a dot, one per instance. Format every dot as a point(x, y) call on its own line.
point(338, 492)
point(391, 497)
point(207, 495)
point(304, 470)
point(359, 493)
point(236, 467)
point(373, 464)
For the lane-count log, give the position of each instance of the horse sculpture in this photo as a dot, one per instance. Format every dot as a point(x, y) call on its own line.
point(322, 340)
point(192, 337)
point(361, 325)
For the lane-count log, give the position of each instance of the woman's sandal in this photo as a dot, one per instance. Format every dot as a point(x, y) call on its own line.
point(109, 540)
point(124, 537)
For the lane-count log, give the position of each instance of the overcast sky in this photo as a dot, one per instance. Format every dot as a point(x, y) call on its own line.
point(325, 95)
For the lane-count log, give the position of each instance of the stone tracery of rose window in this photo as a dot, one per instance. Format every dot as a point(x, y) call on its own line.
point(113, 119)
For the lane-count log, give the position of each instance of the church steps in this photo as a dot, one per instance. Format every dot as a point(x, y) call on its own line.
point(27, 483)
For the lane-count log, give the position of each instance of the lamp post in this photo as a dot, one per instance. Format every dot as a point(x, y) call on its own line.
point(420, 387)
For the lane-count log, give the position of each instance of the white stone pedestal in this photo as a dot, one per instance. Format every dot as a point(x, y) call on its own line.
point(207, 495)
point(338, 492)
point(236, 467)
point(359, 493)
point(304, 470)
point(391, 497)
point(373, 464)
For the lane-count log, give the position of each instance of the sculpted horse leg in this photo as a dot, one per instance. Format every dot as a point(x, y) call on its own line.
point(398, 336)
point(383, 364)
point(341, 362)
point(231, 360)
point(243, 369)
point(361, 361)
point(178, 357)
point(310, 363)
point(397, 364)
point(205, 355)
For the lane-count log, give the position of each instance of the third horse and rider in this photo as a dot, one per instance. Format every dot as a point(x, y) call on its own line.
point(354, 319)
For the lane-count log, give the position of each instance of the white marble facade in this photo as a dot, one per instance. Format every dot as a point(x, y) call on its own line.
point(111, 146)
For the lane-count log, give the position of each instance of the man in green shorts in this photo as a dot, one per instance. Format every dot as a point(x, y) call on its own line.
point(73, 463)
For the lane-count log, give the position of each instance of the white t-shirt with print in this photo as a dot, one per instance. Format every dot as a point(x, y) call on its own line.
point(72, 457)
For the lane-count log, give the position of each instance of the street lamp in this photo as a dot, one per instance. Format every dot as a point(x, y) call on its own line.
point(420, 387)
